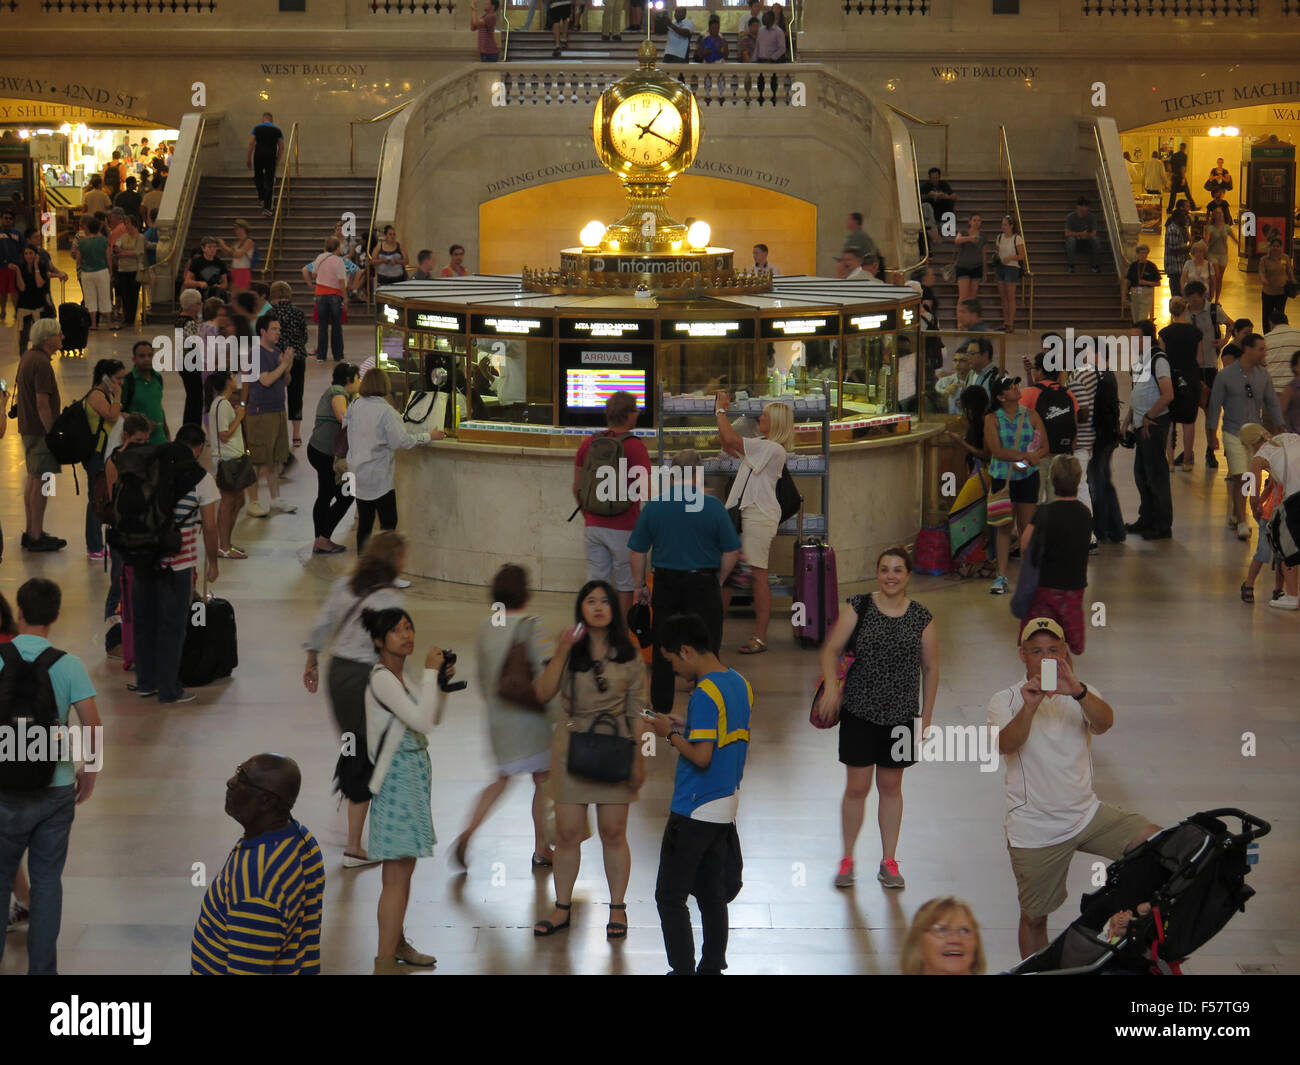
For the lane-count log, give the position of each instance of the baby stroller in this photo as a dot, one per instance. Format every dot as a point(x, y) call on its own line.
point(1182, 885)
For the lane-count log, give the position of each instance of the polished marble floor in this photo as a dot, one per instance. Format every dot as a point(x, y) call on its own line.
point(1188, 667)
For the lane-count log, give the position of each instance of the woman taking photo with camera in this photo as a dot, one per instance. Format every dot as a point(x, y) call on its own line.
point(762, 460)
point(399, 716)
point(601, 683)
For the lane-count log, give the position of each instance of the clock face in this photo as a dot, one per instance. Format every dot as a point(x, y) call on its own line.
point(646, 129)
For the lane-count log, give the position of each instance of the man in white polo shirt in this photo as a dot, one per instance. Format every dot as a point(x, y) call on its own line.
point(1052, 810)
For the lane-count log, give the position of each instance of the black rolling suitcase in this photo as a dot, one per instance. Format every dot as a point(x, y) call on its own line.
point(211, 643)
point(74, 321)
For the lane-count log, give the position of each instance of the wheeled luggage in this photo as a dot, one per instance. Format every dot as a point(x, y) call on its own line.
point(211, 648)
point(816, 591)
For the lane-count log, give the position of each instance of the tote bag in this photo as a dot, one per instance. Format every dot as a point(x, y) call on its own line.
point(969, 516)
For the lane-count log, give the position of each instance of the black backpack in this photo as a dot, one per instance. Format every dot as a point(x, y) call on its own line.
point(150, 480)
point(1105, 410)
point(1056, 409)
point(70, 439)
point(26, 694)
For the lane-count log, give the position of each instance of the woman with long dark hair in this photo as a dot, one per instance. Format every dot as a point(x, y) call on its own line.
point(332, 503)
point(226, 423)
point(103, 406)
point(601, 683)
point(338, 628)
point(967, 533)
point(399, 715)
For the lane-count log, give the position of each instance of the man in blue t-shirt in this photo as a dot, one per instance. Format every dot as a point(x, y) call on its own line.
point(264, 147)
point(38, 821)
point(700, 854)
point(695, 547)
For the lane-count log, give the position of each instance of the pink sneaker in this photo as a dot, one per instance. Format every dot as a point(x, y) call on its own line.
point(889, 875)
point(844, 878)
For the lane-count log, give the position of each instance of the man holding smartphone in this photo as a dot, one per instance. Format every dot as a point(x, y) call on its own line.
point(1045, 733)
point(700, 854)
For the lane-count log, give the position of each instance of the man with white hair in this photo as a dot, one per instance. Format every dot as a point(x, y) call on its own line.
point(38, 405)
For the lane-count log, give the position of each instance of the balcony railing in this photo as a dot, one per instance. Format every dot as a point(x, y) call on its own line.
point(1174, 8)
point(887, 7)
point(129, 7)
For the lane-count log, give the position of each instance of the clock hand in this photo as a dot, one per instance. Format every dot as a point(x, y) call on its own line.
point(661, 137)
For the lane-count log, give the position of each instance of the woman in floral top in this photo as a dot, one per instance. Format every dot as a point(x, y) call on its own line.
point(293, 334)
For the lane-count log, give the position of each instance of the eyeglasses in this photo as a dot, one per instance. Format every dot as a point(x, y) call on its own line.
point(942, 931)
point(602, 685)
point(241, 775)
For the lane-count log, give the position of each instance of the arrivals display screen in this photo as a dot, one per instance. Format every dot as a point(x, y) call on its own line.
point(588, 388)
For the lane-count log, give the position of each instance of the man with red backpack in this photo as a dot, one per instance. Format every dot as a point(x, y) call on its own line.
point(603, 479)
point(39, 795)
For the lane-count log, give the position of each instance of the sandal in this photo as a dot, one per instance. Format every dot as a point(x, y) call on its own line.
point(754, 646)
point(616, 929)
point(549, 928)
point(1247, 593)
point(298, 442)
point(232, 552)
point(542, 863)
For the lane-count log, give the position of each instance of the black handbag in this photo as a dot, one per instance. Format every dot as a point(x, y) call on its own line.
point(597, 755)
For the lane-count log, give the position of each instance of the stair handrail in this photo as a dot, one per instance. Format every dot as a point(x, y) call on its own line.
point(925, 232)
point(505, 41)
point(926, 122)
point(796, 18)
point(189, 192)
point(367, 122)
point(1110, 211)
point(369, 283)
point(291, 148)
point(1004, 160)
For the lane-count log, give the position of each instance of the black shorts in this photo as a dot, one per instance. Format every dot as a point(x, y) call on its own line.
point(556, 15)
point(1024, 490)
point(1208, 374)
point(864, 743)
point(976, 272)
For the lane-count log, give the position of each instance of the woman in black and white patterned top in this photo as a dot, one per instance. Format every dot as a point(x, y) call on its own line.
point(895, 646)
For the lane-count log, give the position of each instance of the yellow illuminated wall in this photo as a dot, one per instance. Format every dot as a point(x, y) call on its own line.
point(532, 226)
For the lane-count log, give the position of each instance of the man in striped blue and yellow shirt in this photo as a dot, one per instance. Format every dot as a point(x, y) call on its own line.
point(700, 854)
point(261, 915)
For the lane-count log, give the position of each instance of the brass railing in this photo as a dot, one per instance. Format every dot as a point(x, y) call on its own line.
point(1110, 211)
point(368, 282)
point(505, 40)
point(1013, 204)
point(181, 225)
point(925, 232)
point(281, 200)
point(367, 122)
point(926, 122)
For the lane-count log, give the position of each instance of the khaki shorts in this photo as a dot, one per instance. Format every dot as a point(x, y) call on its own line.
point(1235, 452)
point(1041, 871)
point(39, 459)
point(267, 437)
point(756, 534)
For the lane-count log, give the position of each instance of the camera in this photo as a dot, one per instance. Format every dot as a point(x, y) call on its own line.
point(449, 660)
point(1129, 439)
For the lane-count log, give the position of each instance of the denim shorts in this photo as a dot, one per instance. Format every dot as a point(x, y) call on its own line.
point(1007, 273)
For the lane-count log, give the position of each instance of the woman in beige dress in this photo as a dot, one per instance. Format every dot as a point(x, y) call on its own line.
point(595, 671)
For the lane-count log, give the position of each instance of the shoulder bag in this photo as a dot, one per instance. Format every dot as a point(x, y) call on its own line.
point(842, 668)
point(600, 753)
point(233, 475)
point(1030, 576)
point(516, 682)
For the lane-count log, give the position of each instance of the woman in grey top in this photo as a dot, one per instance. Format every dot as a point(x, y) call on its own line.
point(331, 502)
point(970, 259)
point(338, 628)
point(520, 735)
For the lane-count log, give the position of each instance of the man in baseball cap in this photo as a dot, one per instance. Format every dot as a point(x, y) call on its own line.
point(1052, 811)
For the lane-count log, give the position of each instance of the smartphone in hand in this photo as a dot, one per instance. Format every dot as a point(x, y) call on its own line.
point(1047, 678)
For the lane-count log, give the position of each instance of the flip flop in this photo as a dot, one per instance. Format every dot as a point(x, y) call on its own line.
point(337, 550)
point(233, 552)
point(754, 646)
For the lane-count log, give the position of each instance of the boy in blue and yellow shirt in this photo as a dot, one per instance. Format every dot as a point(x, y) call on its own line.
point(700, 854)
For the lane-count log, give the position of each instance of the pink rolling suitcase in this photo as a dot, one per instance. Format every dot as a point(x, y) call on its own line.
point(817, 588)
point(127, 610)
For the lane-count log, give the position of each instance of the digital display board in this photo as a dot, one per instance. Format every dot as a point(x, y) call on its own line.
point(588, 389)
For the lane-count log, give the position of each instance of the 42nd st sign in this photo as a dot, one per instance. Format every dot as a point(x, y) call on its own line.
point(44, 88)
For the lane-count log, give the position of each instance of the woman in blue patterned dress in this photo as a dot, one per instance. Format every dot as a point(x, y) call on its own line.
point(399, 715)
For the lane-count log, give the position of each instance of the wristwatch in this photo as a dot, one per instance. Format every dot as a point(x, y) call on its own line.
point(1083, 694)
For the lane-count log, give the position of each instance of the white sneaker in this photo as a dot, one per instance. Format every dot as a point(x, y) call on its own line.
point(1286, 602)
point(281, 507)
point(401, 582)
point(256, 510)
point(1243, 531)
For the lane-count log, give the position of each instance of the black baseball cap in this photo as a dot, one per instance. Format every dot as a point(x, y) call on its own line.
point(1001, 384)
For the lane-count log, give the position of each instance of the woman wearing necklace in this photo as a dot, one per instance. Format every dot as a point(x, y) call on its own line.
point(601, 682)
point(399, 715)
point(895, 646)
